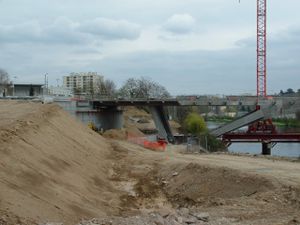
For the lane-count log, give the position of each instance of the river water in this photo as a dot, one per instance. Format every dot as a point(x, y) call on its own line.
point(280, 149)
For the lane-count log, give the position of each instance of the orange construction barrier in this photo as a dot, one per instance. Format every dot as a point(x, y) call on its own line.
point(155, 145)
point(159, 145)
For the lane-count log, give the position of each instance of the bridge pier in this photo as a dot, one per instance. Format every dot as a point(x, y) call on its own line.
point(162, 123)
point(111, 118)
point(266, 148)
point(104, 118)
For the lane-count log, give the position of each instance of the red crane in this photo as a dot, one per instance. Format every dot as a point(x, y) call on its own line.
point(261, 48)
point(261, 89)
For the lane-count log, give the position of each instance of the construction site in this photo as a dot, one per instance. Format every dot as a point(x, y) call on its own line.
point(55, 170)
point(74, 161)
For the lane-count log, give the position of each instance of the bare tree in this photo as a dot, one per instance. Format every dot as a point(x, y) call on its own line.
point(110, 87)
point(4, 82)
point(129, 89)
point(4, 77)
point(143, 88)
point(105, 88)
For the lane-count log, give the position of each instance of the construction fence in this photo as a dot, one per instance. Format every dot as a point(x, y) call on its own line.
point(159, 145)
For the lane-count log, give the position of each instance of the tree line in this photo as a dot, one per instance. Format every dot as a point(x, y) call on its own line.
point(289, 92)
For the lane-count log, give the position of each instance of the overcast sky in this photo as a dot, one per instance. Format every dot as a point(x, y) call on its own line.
point(189, 46)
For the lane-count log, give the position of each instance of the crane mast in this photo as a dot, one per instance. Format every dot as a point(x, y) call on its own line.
point(261, 48)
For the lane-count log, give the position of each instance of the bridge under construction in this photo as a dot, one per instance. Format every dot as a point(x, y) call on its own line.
point(260, 125)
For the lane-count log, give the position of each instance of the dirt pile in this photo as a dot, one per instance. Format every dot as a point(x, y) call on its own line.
point(120, 134)
point(137, 119)
point(123, 134)
point(194, 184)
point(175, 126)
point(134, 112)
point(51, 166)
point(168, 182)
point(132, 127)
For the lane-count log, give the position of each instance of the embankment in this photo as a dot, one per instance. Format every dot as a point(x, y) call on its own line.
point(51, 166)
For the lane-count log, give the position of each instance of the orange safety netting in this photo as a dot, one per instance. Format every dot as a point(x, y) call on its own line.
point(153, 145)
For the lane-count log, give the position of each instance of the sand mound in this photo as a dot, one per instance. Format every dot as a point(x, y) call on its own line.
point(196, 184)
point(136, 113)
point(120, 134)
point(51, 166)
point(143, 121)
point(175, 126)
point(123, 134)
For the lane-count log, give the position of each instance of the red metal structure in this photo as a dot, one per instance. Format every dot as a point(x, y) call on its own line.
point(263, 137)
point(261, 48)
point(263, 130)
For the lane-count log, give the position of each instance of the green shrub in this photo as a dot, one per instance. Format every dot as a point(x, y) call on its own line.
point(195, 124)
point(213, 144)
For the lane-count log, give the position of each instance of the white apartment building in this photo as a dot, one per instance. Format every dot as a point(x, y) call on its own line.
point(82, 83)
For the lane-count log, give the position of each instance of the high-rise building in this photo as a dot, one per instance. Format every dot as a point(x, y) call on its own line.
point(82, 83)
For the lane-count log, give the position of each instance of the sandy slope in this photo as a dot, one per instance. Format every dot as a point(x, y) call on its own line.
point(52, 167)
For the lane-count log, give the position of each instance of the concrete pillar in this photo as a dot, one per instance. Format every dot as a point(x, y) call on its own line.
point(105, 118)
point(266, 148)
point(162, 123)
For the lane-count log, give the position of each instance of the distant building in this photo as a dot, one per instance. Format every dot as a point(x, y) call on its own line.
point(82, 83)
point(60, 91)
point(24, 90)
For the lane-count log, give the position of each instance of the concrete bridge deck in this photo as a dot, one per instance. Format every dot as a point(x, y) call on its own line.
point(201, 101)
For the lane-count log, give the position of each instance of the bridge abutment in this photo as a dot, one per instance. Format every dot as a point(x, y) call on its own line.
point(104, 118)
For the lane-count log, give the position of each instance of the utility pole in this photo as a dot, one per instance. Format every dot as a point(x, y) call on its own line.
point(46, 84)
point(57, 82)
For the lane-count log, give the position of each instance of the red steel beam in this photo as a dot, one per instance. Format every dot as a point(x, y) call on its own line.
point(244, 137)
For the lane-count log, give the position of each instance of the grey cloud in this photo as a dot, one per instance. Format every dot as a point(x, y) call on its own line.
point(180, 24)
point(65, 31)
point(187, 72)
point(231, 71)
point(62, 31)
point(111, 29)
point(21, 32)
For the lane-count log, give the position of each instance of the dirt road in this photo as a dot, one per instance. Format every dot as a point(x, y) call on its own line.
point(287, 172)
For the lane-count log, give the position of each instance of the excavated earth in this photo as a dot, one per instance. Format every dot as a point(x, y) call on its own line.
point(55, 170)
